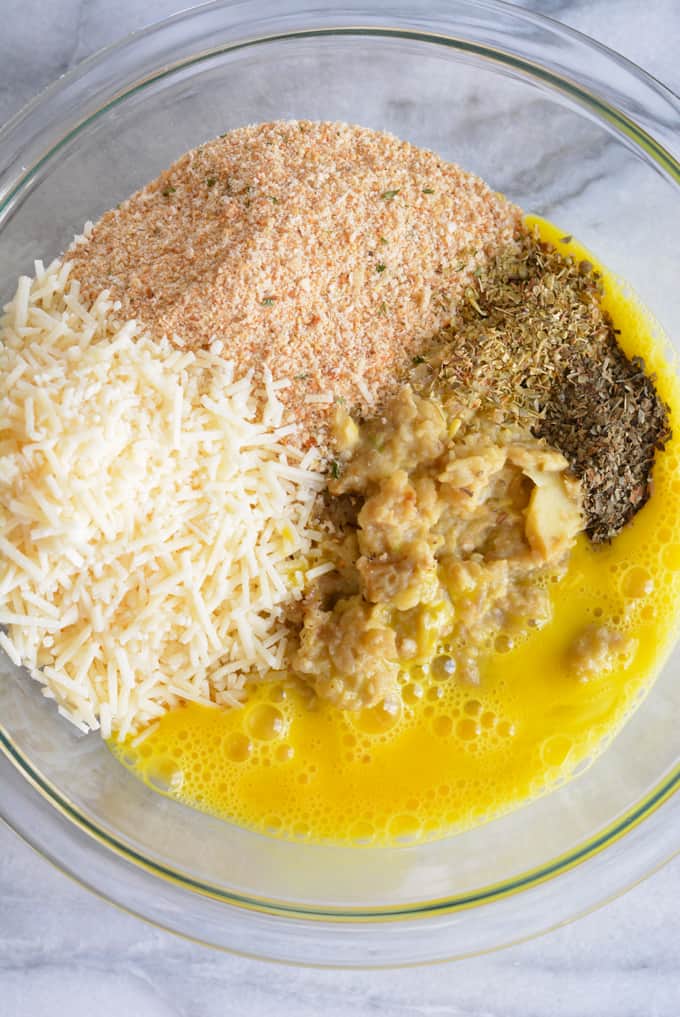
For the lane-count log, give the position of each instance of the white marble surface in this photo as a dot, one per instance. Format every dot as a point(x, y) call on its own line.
point(63, 951)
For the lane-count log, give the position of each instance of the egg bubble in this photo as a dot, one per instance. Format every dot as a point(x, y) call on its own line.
point(443, 668)
point(670, 556)
point(412, 693)
point(467, 729)
point(164, 775)
point(504, 643)
point(265, 722)
point(442, 725)
point(637, 582)
point(237, 747)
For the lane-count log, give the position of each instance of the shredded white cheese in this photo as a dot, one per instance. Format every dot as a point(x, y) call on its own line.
point(152, 521)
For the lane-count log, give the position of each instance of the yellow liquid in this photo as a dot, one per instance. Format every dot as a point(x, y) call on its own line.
point(455, 756)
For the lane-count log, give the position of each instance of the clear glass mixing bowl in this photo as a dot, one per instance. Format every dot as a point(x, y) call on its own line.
point(568, 130)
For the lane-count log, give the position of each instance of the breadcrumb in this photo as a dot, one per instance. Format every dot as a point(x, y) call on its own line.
point(329, 253)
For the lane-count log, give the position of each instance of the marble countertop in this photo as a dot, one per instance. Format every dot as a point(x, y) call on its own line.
point(64, 951)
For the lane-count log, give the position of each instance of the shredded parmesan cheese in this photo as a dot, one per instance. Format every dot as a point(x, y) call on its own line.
point(153, 522)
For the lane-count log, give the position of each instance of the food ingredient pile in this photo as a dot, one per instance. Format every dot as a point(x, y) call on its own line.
point(329, 253)
point(531, 340)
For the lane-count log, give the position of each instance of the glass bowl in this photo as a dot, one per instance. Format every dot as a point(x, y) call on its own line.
point(562, 126)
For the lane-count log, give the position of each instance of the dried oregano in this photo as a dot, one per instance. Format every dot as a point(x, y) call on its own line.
point(532, 341)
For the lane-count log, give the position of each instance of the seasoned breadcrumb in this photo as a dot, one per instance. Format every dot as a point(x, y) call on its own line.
point(329, 252)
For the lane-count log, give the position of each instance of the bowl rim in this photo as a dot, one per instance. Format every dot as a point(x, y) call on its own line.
point(31, 138)
point(607, 836)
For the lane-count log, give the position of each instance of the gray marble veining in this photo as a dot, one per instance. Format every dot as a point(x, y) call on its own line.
point(63, 951)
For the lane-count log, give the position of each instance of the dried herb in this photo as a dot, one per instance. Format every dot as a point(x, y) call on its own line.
point(210, 182)
point(418, 360)
point(335, 469)
point(532, 342)
point(389, 195)
point(606, 418)
point(428, 190)
point(380, 267)
point(268, 301)
point(167, 191)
